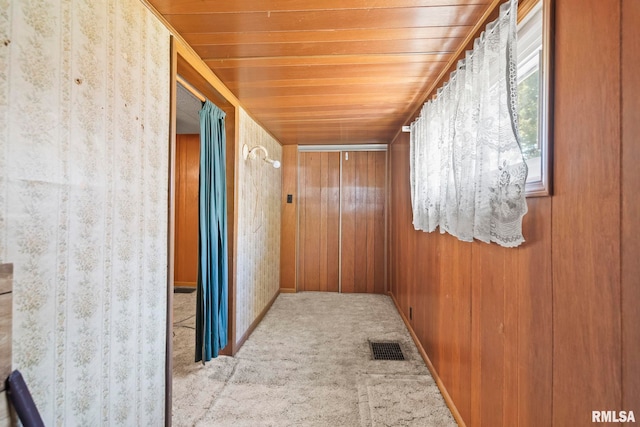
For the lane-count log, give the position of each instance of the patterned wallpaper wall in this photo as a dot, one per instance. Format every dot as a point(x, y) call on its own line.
point(84, 88)
point(258, 262)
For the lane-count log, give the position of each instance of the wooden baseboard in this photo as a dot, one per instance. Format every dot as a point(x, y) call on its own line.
point(184, 284)
point(445, 394)
point(287, 291)
point(255, 323)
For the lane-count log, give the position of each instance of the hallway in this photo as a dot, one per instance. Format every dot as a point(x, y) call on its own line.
point(308, 363)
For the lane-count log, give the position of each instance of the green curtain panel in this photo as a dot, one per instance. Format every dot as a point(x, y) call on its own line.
point(212, 309)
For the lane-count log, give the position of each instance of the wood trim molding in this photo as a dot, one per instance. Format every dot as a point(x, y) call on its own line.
point(445, 394)
point(6, 278)
point(524, 7)
point(6, 319)
point(186, 52)
point(342, 147)
point(233, 267)
point(171, 203)
point(254, 324)
point(287, 291)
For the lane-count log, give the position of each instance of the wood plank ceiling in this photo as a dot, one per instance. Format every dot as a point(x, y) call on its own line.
point(326, 71)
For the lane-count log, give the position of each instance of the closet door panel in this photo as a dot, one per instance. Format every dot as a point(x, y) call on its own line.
point(361, 212)
point(363, 221)
point(319, 198)
point(348, 235)
point(333, 222)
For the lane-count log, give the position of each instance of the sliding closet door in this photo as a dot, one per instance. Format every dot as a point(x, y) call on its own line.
point(363, 221)
point(319, 221)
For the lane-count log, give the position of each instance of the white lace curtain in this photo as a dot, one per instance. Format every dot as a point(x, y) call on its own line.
point(467, 170)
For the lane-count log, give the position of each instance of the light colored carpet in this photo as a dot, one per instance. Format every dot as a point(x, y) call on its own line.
point(308, 363)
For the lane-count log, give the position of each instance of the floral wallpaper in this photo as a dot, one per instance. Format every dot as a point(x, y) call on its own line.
point(84, 107)
point(258, 259)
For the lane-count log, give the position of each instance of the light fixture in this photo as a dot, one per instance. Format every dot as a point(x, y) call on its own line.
point(251, 154)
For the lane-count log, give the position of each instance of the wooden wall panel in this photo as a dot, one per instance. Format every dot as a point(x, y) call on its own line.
point(586, 211)
point(420, 292)
point(454, 307)
point(425, 293)
point(289, 218)
point(482, 313)
point(379, 227)
point(186, 235)
point(534, 310)
point(400, 224)
point(363, 221)
point(553, 324)
point(630, 206)
point(490, 283)
point(319, 193)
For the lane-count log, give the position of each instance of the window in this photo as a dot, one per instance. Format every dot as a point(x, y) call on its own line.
point(533, 98)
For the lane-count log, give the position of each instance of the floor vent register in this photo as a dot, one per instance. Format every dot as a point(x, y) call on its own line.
point(386, 350)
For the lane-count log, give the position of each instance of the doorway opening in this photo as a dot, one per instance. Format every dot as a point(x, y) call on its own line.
point(192, 82)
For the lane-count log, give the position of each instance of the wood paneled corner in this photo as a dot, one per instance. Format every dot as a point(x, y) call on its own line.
point(288, 230)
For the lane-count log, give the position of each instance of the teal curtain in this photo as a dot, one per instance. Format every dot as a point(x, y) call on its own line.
point(212, 310)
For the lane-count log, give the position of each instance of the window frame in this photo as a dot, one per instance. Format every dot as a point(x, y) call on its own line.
point(543, 186)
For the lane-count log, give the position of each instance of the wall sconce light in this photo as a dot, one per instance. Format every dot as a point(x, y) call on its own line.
point(251, 154)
